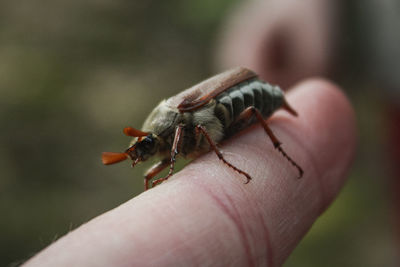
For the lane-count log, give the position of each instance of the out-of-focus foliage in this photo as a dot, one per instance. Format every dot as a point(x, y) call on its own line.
point(74, 73)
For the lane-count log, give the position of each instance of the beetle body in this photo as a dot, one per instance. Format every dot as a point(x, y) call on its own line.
point(217, 116)
point(192, 122)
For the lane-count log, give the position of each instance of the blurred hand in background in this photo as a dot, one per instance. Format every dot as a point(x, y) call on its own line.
point(284, 41)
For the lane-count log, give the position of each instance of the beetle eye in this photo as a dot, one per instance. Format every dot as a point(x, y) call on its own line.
point(147, 141)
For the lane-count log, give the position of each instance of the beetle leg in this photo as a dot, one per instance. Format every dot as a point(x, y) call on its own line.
point(251, 111)
point(153, 171)
point(174, 153)
point(200, 128)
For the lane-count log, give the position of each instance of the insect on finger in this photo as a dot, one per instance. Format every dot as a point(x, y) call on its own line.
point(216, 108)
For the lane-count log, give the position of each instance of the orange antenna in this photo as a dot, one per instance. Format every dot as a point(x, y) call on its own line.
point(112, 157)
point(129, 131)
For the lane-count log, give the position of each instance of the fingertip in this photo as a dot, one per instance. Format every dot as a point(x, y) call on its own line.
point(321, 140)
point(326, 128)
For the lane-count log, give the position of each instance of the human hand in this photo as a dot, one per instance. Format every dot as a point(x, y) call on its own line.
point(284, 41)
point(206, 216)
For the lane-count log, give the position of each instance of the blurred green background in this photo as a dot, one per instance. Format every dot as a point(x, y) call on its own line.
point(74, 73)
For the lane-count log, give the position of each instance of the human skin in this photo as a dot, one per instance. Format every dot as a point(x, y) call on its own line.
point(206, 216)
point(284, 41)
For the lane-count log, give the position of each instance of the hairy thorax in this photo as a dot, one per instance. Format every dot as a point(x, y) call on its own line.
point(164, 119)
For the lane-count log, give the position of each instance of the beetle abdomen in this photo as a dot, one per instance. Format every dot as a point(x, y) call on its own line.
point(263, 96)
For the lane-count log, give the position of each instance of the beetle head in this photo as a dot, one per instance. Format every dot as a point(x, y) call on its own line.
point(146, 145)
point(144, 148)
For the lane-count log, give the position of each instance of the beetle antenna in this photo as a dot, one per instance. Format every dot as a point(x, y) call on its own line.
point(129, 131)
point(111, 157)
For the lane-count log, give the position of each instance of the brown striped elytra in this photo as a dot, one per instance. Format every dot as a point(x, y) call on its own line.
point(216, 108)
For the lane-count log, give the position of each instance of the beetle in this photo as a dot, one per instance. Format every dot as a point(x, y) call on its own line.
point(197, 119)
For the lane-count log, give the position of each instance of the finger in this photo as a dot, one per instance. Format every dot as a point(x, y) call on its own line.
point(206, 216)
